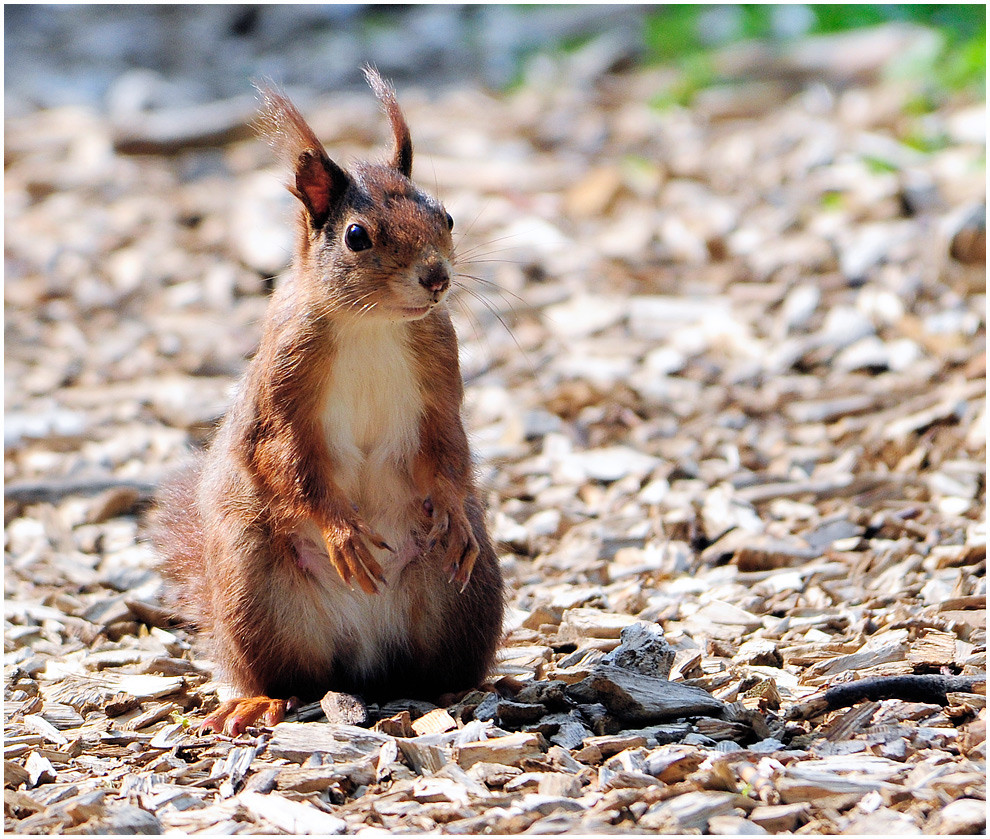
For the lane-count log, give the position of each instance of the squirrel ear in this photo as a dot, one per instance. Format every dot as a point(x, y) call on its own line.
point(402, 157)
point(319, 182)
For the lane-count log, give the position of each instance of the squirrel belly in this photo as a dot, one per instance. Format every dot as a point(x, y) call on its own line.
point(371, 416)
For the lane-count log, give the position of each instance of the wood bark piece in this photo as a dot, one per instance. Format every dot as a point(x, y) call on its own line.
point(949, 408)
point(961, 817)
point(437, 789)
point(636, 698)
point(730, 825)
point(398, 725)
point(847, 726)
point(643, 649)
point(168, 736)
point(39, 769)
point(612, 744)
point(154, 714)
point(343, 708)
point(514, 714)
point(87, 691)
point(809, 783)
point(933, 648)
point(297, 741)
point(19, 805)
point(118, 501)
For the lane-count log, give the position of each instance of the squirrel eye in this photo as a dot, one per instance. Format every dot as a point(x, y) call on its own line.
point(356, 238)
point(450, 222)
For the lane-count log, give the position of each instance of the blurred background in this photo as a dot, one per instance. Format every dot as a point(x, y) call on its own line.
point(818, 152)
point(132, 57)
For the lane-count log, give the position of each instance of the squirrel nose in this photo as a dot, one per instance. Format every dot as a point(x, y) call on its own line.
point(435, 279)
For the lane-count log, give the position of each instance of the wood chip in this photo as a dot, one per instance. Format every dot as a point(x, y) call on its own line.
point(436, 721)
point(296, 742)
point(644, 699)
point(290, 816)
point(510, 750)
point(343, 708)
point(780, 818)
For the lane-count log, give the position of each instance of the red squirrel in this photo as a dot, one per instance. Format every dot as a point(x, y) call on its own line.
point(331, 538)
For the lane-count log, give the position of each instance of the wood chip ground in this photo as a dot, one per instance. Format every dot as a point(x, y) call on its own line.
point(726, 385)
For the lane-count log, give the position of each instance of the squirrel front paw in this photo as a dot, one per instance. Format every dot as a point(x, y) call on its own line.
point(350, 556)
point(462, 547)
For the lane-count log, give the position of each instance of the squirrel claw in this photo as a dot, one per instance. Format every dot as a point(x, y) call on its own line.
point(352, 560)
point(461, 572)
point(462, 546)
point(373, 537)
point(458, 575)
point(462, 566)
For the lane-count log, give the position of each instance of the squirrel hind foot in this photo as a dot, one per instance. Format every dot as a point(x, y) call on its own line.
point(234, 716)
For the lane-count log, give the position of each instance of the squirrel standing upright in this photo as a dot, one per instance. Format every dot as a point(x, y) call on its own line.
point(332, 538)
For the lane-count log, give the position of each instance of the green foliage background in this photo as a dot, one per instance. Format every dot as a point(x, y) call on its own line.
point(675, 34)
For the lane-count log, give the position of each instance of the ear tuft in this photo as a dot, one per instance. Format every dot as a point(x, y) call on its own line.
point(319, 182)
point(402, 156)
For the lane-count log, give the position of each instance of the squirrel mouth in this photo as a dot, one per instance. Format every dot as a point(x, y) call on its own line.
point(415, 312)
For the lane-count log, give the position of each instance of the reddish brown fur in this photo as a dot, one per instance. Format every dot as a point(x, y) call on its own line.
point(228, 529)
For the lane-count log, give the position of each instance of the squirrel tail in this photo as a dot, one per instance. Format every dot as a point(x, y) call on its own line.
point(177, 534)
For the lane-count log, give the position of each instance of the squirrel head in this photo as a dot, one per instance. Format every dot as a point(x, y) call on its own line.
point(370, 242)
